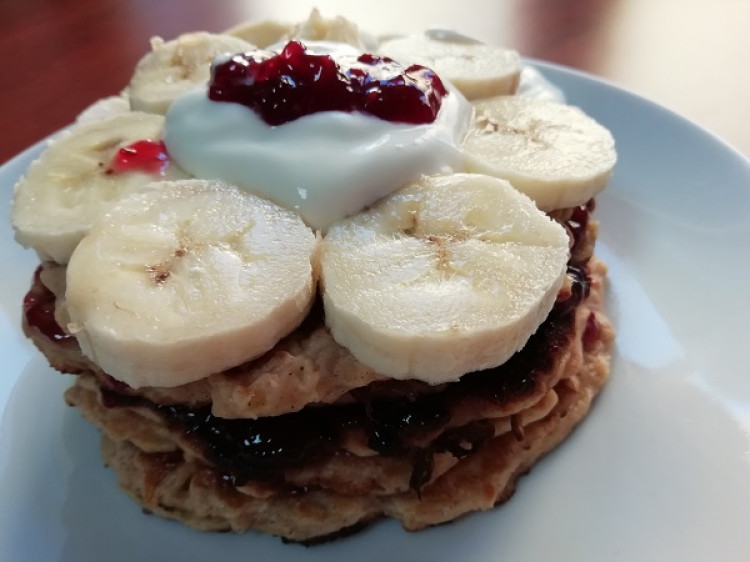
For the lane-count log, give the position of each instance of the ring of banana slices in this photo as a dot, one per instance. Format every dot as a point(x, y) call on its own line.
point(172, 279)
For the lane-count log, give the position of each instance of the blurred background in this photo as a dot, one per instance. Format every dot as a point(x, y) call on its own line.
point(58, 56)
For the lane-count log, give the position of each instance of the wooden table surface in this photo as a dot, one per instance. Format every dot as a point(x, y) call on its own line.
point(58, 56)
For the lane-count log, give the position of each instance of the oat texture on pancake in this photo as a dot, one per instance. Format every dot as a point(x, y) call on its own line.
point(268, 342)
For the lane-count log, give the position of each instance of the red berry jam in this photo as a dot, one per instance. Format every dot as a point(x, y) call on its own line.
point(142, 156)
point(591, 332)
point(284, 87)
point(577, 225)
point(39, 310)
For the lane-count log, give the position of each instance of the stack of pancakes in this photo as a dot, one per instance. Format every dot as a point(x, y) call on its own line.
point(308, 444)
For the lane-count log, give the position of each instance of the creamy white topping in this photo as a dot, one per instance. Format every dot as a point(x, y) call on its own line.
point(325, 165)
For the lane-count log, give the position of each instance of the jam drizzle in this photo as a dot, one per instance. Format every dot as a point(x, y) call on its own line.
point(39, 311)
point(147, 156)
point(284, 87)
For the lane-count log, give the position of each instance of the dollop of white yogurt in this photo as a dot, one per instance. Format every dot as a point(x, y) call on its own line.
point(325, 165)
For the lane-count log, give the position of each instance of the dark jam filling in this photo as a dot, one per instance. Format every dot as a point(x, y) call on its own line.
point(39, 311)
point(284, 87)
point(578, 223)
point(146, 156)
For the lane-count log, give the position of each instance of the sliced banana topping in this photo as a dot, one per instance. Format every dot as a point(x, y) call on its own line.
point(449, 275)
point(338, 29)
point(188, 279)
point(260, 33)
point(72, 184)
point(316, 28)
point(476, 69)
point(174, 67)
point(554, 153)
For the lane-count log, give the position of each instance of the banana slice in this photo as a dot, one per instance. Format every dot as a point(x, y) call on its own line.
point(260, 33)
point(104, 108)
point(174, 67)
point(72, 184)
point(188, 279)
point(476, 69)
point(450, 275)
point(338, 30)
point(269, 33)
point(552, 152)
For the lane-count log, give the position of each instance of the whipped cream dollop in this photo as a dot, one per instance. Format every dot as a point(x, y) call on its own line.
point(325, 165)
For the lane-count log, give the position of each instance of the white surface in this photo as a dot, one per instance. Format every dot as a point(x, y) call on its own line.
point(659, 471)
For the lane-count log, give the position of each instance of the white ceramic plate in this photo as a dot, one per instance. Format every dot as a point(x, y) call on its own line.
point(659, 471)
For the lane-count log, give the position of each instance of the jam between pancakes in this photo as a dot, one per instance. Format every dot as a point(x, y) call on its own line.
point(39, 311)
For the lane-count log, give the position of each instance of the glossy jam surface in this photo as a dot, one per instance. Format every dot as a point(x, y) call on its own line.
point(141, 156)
point(39, 311)
point(578, 223)
point(296, 82)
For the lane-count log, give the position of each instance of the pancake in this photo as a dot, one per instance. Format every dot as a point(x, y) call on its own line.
point(352, 458)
